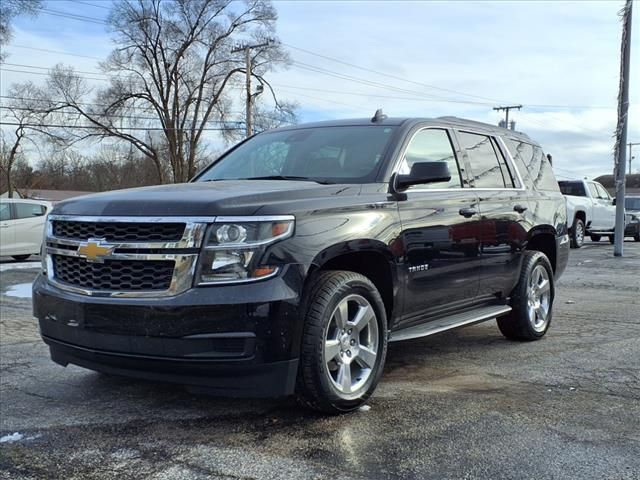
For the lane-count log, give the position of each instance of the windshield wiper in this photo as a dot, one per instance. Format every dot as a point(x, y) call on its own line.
point(289, 177)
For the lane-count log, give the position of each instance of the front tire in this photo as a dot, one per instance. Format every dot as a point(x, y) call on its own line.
point(531, 300)
point(344, 342)
point(577, 233)
point(612, 239)
point(595, 238)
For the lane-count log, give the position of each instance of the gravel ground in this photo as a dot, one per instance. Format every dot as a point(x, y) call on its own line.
point(462, 405)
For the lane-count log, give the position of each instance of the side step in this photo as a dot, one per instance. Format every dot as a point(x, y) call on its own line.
point(451, 322)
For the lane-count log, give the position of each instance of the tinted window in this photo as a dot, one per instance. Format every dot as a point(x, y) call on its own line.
point(487, 172)
point(432, 145)
point(5, 211)
point(349, 154)
point(28, 210)
point(602, 193)
point(537, 171)
point(632, 203)
point(572, 188)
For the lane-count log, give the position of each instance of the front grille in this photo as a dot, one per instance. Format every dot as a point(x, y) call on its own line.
point(118, 275)
point(119, 231)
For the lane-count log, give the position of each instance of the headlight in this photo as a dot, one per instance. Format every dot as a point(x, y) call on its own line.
point(233, 248)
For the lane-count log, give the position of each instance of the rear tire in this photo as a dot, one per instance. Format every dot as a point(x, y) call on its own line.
point(20, 258)
point(344, 342)
point(595, 238)
point(531, 300)
point(577, 233)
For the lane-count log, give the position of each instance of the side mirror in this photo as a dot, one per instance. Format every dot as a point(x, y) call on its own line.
point(613, 201)
point(424, 172)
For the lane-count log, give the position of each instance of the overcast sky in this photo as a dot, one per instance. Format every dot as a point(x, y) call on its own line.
point(559, 59)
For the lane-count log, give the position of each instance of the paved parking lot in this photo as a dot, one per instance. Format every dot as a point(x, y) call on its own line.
point(466, 404)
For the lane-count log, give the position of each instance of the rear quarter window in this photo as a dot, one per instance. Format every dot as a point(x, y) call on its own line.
point(533, 165)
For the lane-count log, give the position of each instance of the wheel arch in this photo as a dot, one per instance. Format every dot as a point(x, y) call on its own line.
point(369, 257)
point(543, 239)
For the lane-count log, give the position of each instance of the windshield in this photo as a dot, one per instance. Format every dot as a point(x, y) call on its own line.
point(572, 188)
point(326, 154)
point(632, 203)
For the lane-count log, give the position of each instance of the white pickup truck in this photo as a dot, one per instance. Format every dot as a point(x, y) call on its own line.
point(590, 211)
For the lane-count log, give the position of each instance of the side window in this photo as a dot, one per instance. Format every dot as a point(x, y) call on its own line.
point(29, 210)
point(487, 172)
point(593, 190)
point(602, 193)
point(5, 211)
point(507, 171)
point(432, 145)
point(537, 171)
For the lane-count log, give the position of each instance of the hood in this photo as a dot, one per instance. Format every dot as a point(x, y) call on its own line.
point(228, 197)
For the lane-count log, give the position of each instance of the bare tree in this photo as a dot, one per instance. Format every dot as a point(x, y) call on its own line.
point(9, 9)
point(25, 114)
point(171, 76)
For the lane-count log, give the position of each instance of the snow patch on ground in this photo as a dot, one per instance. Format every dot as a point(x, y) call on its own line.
point(21, 290)
point(19, 266)
point(13, 437)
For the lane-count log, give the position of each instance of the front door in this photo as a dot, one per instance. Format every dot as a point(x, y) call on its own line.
point(440, 232)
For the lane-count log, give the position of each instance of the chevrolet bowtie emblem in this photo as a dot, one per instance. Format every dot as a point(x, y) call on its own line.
point(94, 250)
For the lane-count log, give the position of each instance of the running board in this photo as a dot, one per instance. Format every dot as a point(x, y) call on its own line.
point(451, 322)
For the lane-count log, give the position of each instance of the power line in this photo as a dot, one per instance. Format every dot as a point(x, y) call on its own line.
point(59, 52)
point(47, 74)
point(330, 73)
point(47, 68)
point(386, 74)
point(91, 4)
point(124, 117)
point(73, 16)
point(86, 127)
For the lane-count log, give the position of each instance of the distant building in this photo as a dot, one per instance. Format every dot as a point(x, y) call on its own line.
point(632, 186)
point(53, 196)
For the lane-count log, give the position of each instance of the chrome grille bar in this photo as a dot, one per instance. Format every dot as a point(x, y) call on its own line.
point(184, 252)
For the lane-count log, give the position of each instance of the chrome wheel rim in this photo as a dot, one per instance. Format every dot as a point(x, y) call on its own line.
point(539, 298)
point(351, 344)
point(579, 233)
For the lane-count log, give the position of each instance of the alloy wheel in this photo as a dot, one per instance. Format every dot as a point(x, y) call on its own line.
point(351, 344)
point(539, 298)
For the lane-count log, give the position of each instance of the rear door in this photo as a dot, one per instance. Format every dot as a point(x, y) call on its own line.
point(7, 234)
point(440, 231)
point(605, 209)
point(503, 206)
point(28, 225)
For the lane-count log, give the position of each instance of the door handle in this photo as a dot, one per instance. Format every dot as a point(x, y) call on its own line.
point(467, 212)
point(519, 208)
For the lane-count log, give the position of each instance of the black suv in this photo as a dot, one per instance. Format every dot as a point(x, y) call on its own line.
point(288, 264)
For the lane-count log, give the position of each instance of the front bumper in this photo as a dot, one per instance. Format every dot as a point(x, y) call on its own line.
point(240, 340)
point(632, 229)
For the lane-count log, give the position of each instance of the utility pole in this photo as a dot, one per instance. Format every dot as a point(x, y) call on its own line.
point(621, 133)
point(506, 114)
point(631, 157)
point(249, 96)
